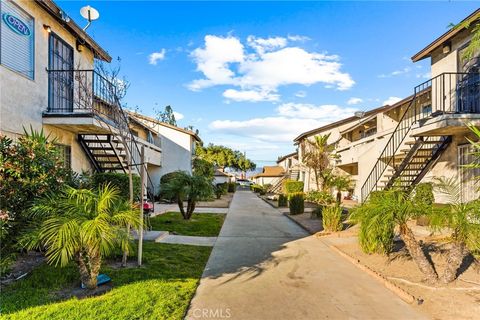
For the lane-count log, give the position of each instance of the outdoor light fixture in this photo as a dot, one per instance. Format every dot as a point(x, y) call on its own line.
point(446, 48)
point(47, 28)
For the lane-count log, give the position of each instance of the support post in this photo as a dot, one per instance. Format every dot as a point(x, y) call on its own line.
point(142, 194)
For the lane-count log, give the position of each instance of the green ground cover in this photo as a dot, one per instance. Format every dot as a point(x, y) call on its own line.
point(201, 224)
point(161, 289)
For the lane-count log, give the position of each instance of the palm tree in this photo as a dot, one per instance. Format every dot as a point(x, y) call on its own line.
point(378, 217)
point(317, 156)
point(341, 183)
point(463, 219)
point(192, 188)
point(84, 226)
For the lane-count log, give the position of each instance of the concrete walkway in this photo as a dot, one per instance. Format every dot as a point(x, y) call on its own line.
point(263, 266)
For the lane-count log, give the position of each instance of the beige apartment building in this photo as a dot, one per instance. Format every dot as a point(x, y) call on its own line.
point(421, 137)
point(48, 81)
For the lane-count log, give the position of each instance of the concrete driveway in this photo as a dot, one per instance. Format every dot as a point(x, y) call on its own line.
point(263, 266)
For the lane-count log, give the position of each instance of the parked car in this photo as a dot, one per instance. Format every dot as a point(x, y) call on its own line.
point(244, 182)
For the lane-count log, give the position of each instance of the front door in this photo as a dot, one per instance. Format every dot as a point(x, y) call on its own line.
point(61, 84)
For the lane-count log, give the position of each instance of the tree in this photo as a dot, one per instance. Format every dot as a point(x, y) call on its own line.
point(82, 225)
point(192, 188)
point(203, 168)
point(224, 157)
point(317, 156)
point(378, 217)
point(341, 183)
point(167, 116)
point(474, 45)
point(460, 217)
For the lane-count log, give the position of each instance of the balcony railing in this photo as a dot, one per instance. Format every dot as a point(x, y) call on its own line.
point(83, 91)
point(447, 93)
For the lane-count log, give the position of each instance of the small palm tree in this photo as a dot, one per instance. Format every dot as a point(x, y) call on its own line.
point(84, 226)
point(380, 214)
point(464, 221)
point(192, 188)
point(317, 156)
point(341, 183)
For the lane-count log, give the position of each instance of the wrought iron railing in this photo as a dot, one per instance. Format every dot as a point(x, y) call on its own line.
point(87, 91)
point(447, 93)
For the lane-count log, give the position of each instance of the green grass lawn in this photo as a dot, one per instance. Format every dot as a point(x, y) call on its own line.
point(162, 289)
point(201, 224)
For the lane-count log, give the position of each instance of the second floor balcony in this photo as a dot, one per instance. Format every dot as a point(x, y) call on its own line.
point(83, 100)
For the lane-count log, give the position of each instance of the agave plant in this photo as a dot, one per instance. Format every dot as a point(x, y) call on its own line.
point(82, 225)
point(464, 221)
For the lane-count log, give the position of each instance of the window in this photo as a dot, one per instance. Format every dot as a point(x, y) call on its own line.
point(16, 39)
point(65, 155)
point(467, 175)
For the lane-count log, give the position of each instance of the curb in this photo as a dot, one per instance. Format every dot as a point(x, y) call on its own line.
point(298, 223)
point(404, 295)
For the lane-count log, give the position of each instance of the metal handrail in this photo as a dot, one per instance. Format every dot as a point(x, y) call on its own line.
point(410, 117)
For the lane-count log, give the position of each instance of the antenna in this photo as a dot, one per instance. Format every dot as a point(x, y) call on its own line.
point(89, 13)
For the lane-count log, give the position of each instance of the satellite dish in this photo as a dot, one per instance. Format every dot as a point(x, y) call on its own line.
point(90, 14)
point(360, 114)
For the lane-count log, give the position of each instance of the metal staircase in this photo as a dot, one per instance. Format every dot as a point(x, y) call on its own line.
point(104, 153)
point(406, 159)
point(293, 174)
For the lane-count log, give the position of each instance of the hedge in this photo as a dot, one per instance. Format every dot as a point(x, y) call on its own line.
point(119, 180)
point(296, 203)
point(232, 186)
point(292, 186)
point(282, 200)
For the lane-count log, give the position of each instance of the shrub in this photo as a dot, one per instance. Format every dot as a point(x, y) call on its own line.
point(317, 212)
point(282, 200)
point(223, 187)
point(423, 198)
point(119, 181)
point(322, 198)
point(232, 186)
point(256, 188)
point(296, 203)
point(332, 218)
point(292, 186)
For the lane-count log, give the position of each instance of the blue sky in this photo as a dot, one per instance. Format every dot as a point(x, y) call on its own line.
point(253, 75)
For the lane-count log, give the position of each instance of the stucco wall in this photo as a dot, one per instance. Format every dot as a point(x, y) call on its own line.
point(23, 100)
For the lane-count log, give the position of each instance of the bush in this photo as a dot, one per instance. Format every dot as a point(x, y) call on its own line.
point(222, 188)
point(332, 219)
point(282, 200)
point(118, 180)
point(321, 198)
point(232, 186)
point(292, 186)
point(317, 212)
point(256, 188)
point(296, 203)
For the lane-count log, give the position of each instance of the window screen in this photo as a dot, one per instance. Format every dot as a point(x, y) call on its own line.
point(468, 175)
point(16, 39)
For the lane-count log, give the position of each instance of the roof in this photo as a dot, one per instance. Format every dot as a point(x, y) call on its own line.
point(163, 124)
point(425, 52)
point(293, 154)
point(271, 171)
point(55, 11)
point(220, 173)
point(358, 124)
point(384, 108)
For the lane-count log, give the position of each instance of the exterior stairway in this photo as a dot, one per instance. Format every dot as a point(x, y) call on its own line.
point(406, 158)
point(104, 151)
point(292, 174)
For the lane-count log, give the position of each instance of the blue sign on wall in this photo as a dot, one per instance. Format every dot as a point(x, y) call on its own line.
point(17, 25)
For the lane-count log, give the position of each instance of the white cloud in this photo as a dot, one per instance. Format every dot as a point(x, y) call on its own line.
point(405, 70)
point(301, 94)
point(353, 101)
point(250, 95)
point(391, 101)
point(298, 38)
point(264, 65)
point(291, 120)
point(262, 45)
point(154, 57)
point(178, 115)
point(325, 112)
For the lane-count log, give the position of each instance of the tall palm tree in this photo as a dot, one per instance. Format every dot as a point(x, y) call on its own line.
point(463, 219)
point(84, 226)
point(317, 156)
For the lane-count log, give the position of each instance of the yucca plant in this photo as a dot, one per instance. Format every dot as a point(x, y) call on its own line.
point(464, 221)
point(82, 225)
point(378, 217)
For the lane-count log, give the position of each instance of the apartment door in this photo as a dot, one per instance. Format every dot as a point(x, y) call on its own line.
point(61, 84)
point(470, 185)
